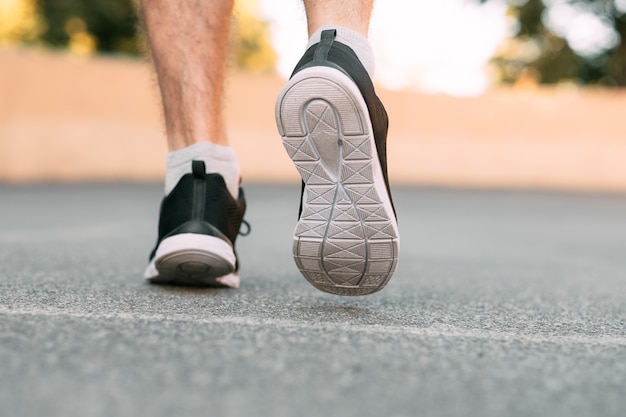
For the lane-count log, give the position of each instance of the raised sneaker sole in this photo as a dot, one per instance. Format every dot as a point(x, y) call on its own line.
point(346, 241)
point(193, 259)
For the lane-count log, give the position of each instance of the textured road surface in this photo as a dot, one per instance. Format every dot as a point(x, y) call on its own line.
point(505, 304)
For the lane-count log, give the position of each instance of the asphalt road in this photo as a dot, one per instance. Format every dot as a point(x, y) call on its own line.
point(505, 304)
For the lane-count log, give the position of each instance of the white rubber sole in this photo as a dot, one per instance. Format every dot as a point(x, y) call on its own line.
point(346, 241)
point(193, 259)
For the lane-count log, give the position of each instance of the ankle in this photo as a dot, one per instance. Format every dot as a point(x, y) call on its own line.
point(218, 159)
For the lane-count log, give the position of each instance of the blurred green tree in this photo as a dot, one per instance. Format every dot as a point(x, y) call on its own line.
point(251, 45)
point(20, 21)
point(581, 41)
point(113, 26)
point(102, 25)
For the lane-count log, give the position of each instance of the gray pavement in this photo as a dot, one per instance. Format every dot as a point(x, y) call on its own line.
point(505, 304)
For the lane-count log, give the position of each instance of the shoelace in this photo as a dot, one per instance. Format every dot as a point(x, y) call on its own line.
point(248, 228)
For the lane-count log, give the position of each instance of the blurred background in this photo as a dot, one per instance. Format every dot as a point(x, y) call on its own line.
point(493, 93)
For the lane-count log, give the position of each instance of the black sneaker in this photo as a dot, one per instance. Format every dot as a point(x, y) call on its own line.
point(334, 128)
point(199, 223)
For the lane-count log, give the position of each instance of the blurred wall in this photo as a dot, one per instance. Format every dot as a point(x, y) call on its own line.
point(64, 118)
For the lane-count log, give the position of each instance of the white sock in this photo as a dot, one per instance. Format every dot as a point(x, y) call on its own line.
point(219, 159)
point(359, 44)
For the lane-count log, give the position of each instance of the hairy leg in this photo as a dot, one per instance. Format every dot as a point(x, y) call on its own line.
point(189, 43)
point(351, 14)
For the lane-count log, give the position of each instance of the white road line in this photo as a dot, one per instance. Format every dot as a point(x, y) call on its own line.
point(441, 331)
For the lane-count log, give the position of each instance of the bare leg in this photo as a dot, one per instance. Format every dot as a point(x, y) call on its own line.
point(189, 42)
point(351, 14)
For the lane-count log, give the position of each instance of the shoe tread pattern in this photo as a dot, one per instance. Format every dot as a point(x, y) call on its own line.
point(192, 267)
point(346, 239)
